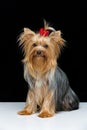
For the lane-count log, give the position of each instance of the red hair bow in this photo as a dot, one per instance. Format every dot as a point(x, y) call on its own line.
point(43, 32)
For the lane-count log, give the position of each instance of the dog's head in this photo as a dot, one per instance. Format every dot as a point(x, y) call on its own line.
point(41, 49)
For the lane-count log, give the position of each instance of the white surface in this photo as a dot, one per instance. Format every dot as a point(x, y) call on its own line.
point(9, 120)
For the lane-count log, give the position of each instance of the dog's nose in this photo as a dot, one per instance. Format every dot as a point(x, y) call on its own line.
point(38, 52)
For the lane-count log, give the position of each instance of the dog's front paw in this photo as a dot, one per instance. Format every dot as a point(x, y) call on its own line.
point(24, 112)
point(45, 114)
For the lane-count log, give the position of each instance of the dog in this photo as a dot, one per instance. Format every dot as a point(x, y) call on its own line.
point(49, 88)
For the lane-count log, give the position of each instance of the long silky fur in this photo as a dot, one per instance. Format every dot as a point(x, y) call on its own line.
point(49, 86)
point(65, 97)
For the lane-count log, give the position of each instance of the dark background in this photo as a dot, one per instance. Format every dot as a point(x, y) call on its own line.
point(67, 16)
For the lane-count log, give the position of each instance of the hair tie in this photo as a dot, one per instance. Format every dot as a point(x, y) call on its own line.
point(43, 32)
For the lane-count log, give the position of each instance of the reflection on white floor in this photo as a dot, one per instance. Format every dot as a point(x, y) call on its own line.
point(9, 120)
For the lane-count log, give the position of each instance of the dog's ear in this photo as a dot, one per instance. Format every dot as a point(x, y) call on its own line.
point(28, 32)
point(25, 36)
point(56, 37)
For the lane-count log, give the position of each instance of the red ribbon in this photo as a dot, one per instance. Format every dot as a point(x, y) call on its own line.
point(43, 32)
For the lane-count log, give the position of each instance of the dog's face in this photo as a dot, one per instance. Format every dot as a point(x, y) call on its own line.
point(41, 52)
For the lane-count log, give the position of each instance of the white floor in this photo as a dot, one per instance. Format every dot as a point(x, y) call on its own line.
point(9, 120)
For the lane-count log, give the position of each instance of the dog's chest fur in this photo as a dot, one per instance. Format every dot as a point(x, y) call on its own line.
point(40, 90)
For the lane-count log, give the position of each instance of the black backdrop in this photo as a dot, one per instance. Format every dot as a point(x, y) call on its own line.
point(67, 16)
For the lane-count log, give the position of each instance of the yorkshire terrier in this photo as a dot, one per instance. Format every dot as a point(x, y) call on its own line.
point(49, 88)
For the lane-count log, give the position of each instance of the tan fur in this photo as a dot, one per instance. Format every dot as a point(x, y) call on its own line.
point(48, 107)
point(54, 41)
point(39, 67)
point(36, 97)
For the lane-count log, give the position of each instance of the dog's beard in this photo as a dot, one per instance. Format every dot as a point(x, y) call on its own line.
point(39, 62)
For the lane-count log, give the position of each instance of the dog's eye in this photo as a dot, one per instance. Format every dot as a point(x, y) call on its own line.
point(34, 45)
point(45, 46)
